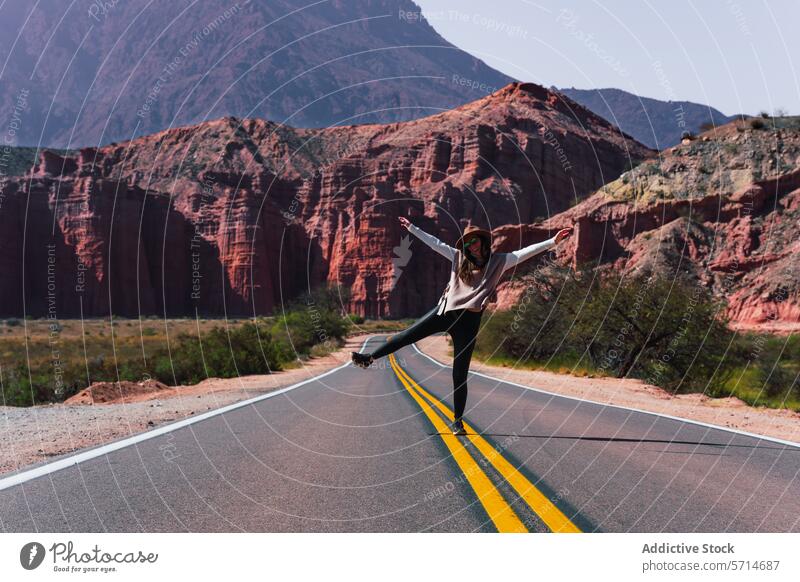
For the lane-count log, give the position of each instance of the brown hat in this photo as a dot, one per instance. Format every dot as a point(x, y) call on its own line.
point(474, 231)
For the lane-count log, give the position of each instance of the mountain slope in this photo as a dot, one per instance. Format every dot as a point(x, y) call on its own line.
point(657, 124)
point(722, 212)
point(239, 216)
point(99, 72)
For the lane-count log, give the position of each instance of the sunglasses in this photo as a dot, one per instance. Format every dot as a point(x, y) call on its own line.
point(471, 241)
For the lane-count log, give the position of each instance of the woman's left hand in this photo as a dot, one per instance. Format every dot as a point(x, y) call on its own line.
point(562, 234)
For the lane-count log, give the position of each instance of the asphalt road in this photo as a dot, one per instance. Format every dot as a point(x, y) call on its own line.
point(366, 450)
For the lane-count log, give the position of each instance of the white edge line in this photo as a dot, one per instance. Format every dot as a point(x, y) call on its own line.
point(78, 458)
point(690, 421)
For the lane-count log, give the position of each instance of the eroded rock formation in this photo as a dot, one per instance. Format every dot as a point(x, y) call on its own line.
point(238, 217)
point(722, 210)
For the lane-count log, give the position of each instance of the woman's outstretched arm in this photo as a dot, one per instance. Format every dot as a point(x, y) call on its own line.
point(514, 258)
point(430, 240)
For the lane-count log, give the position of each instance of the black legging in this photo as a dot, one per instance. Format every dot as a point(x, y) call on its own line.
point(462, 325)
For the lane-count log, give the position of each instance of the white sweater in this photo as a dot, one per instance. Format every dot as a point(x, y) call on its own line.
point(475, 295)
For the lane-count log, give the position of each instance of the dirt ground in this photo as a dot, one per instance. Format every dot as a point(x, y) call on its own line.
point(725, 412)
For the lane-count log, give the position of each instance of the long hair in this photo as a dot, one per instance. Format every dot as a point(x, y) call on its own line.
point(468, 262)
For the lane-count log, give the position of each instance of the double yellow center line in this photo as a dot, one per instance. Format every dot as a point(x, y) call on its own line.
point(497, 507)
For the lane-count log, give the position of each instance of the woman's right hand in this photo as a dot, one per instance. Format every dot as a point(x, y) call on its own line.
point(405, 222)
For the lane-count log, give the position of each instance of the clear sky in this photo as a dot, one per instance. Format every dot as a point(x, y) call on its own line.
point(740, 56)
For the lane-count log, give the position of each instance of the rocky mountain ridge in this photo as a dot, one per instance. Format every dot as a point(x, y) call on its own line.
point(656, 123)
point(240, 216)
point(722, 210)
point(100, 72)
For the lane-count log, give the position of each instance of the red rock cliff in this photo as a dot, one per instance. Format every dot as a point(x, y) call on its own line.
point(239, 216)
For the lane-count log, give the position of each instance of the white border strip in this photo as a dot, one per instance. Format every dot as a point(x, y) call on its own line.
point(697, 422)
point(75, 459)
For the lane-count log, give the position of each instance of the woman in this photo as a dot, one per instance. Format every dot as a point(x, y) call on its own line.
point(474, 275)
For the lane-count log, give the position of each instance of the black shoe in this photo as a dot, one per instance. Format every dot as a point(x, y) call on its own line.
point(458, 428)
point(361, 360)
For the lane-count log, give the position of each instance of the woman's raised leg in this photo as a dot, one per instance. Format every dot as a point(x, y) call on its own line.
point(426, 325)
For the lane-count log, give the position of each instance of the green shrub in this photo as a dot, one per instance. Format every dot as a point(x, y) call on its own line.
point(313, 319)
point(356, 319)
point(776, 362)
point(666, 332)
point(219, 353)
point(310, 323)
point(17, 387)
point(777, 380)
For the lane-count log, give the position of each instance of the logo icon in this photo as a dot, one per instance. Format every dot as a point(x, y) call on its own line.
point(402, 254)
point(31, 555)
